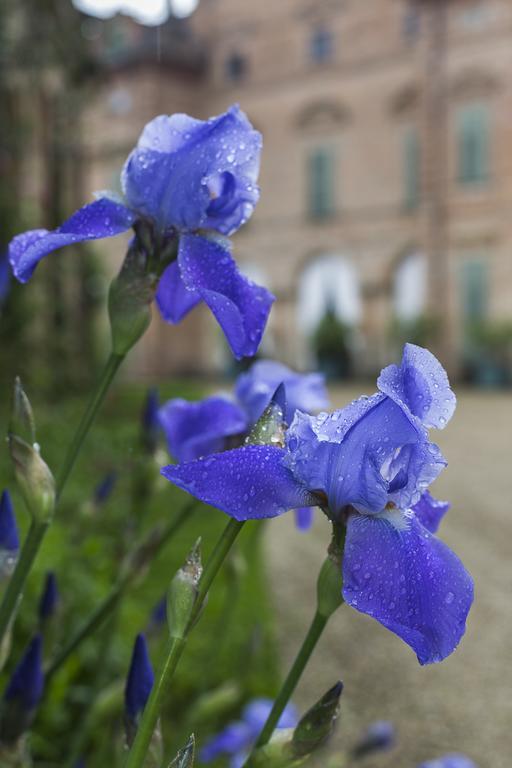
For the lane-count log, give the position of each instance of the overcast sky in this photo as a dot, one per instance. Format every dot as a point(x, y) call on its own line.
point(145, 11)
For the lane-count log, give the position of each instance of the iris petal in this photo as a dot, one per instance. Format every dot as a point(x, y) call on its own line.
point(304, 392)
point(102, 218)
point(420, 385)
point(247, 483)
point(430, 511)
point(240, 306)
point(365, 455)
point(177, 174)
point(198, 429)
point(173, 298)
point(410, 581)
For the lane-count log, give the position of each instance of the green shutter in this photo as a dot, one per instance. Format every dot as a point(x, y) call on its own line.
point(321, 182)
point(474, 291)
point(473, 143)
point(411, 168)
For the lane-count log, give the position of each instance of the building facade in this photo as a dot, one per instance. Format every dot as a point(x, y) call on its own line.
point(386, 178)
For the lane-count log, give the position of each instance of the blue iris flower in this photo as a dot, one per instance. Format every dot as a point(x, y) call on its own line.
point(192, 183)
point(140, 680)
point(49, 598)
point(195, 429)
point(236, 740)
point(368, 466)
point(25, 687)
point(454, 760)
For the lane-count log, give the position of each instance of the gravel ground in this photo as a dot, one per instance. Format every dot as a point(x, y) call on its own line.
point(465, 703)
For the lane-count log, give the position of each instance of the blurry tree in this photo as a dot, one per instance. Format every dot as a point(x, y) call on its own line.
point(46, 71)
point(331, 345)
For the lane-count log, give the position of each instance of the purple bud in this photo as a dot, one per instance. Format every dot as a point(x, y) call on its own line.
point(150, 421)
point(49, 598)
point(105, 488)
point(27, 682)
point(5, 277)
point(9, 539)
point(454, 760)
point(140, 680)
point(159, 613)
point(379, 736)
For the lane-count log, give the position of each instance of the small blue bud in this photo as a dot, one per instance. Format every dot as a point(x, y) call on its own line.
point(49, 598)
point(150, 422)
point(159, 613)
point(379, 736)
point(140, 680)
point(9, 539)
point(105, 488)
point(27, 682)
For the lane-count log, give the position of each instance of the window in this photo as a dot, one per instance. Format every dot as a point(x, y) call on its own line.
point(411, 23)
point(411, 168)
point(410, 287)
point(321, 182)
point(474, 290)
point(236, 67)
point(321, 45)
point(473, 136)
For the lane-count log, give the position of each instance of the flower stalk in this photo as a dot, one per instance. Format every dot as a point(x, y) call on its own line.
point(329, 599)
point(177, 645)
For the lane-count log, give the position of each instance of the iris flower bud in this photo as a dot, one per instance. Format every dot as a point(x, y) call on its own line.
point(378, 737)
point(49, 598)
point(139, 682)
point(104, 489)
point(32, 473)
point(183, 593)
point(129, 301)
point(150, 423)
point(9, 538)
point(185, 757)
point(317, 724)
point(23, 694)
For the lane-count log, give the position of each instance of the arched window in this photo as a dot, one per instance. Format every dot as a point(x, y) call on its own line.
point(328, 283)
point(410, 287)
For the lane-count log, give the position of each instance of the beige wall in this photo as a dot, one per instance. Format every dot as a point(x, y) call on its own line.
point(360, 102)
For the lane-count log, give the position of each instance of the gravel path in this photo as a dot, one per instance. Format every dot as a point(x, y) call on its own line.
point(465, 703)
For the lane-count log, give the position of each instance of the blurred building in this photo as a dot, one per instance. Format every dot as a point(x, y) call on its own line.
point(386, 174)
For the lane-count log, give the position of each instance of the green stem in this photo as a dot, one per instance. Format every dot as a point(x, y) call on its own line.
point(212, 567)
point(317, 627)
point(109, 371)
point(14, 591)
point(152, 709)
point(110, 602)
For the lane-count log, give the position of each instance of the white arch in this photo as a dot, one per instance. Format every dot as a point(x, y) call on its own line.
point(329, 281)
point(410, 287)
